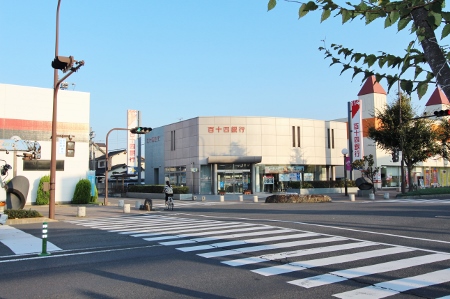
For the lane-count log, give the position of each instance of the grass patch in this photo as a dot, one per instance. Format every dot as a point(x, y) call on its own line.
point(427, 191)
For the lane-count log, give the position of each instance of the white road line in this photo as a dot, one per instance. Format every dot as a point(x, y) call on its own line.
point(229, 236)
point(21, 243)
point(244, 242)
point(163, 224)
point(241, 228)
point(296, 253)
point(342, 275)
point(389, 288)
point(172, 227)
point(299, 266)
point(251, 249)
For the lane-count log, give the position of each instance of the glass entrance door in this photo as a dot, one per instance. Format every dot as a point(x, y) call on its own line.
point(233, 181)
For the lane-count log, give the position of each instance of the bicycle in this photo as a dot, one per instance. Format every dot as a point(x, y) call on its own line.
point(169, 203)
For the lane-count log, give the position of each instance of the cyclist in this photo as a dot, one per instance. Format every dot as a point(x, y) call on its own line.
point(168, 190)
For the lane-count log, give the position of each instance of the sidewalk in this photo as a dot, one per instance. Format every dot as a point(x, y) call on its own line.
point(112, 209)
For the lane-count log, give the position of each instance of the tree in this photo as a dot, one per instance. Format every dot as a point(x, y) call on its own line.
point(426, 17)
point(398, 129)
point(366, 166)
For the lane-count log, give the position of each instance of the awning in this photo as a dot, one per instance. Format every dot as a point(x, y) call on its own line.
point(234, 159)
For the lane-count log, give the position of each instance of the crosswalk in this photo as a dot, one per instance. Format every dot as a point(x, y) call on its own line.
point(182, 203)
point(270, 250)
point(409, 200)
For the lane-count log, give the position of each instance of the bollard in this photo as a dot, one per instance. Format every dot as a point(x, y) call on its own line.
point(203, 198)
point(241, 197)
point(137, 204)
point(194, 197)
point(148, 205)
point(121, 203)
point(352, 197)
point(126, 208)
point(81, 212)
point(255, 198)
point(386, 195)
point(372, 196)
point(44, 240)
point(222, 197)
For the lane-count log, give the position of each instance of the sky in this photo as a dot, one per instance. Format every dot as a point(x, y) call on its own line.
point(180, 59)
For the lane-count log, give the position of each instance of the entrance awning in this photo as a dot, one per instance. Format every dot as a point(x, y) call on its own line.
point(234, 159)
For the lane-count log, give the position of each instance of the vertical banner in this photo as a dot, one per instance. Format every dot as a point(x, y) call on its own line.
point(132, 122)
point(356, 130)
point(348, 164)
point(90, 174)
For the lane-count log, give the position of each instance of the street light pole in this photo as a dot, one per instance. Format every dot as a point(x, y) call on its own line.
point(345, 152)
point(105, 201)
point(56, 84)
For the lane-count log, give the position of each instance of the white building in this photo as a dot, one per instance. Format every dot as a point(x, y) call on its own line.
point(26, 112)
point(243, 153)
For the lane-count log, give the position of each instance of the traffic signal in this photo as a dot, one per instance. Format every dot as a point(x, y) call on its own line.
point(442, 113)
point(395, 156)
point(140, 130)
point(70, 148)
point(63, 63)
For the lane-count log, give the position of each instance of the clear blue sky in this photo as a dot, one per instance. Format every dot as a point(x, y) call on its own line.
point(181, 59)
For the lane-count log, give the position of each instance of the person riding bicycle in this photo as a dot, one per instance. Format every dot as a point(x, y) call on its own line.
point(168, 190)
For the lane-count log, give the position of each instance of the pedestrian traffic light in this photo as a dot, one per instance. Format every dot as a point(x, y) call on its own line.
point(442, 113)
point(395, 156)
point(63, 63)
point(140, 130)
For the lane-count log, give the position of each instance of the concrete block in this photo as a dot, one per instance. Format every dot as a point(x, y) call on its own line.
point(126, 208)
point(81, 212)
point(255, 198)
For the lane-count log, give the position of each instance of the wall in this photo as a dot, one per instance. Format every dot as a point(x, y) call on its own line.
point(26, 112)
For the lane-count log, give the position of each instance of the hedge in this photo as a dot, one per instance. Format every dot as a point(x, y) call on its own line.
point(157, 189)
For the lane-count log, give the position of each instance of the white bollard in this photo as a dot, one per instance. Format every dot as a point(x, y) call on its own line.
point(241, 197)
point(81, 212)
point(371, 196)
point(126, 208)
point(255, 198)
point(352, 197)
point(194, 197)
point(137, 204)
point(121, 202)
point(222, 198)
point(203, 198)
point(386, 195)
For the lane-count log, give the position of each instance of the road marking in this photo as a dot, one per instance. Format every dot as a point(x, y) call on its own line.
point(221, 237)
point(298, 266)
point(390, 288)
point(245, 242)
point(297, 253)
point(342, 275)
point(21, 243)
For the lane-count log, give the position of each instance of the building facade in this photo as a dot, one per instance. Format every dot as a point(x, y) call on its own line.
point(235, 154)
point(26, 113)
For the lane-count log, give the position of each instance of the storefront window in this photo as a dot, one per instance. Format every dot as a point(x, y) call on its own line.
point(205, 179)
point(176, 175)
point(233, 178)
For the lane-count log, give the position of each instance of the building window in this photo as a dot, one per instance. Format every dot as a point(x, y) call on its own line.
point(172, 140)
point(298, 137)
point(328, 138)
point(293, 136)
point(332, 138)
point(101, 164)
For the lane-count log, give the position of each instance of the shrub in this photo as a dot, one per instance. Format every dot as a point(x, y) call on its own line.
point(19, 214)
point(82, 194)
point(43, 197)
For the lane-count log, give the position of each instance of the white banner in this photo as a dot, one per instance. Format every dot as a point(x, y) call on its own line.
point(357, 130)
point(132, 122)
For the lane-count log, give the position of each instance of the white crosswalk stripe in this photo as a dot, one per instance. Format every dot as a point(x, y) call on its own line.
point(281, 250)
point(408, 200)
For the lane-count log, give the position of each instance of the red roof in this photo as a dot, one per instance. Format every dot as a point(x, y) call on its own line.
point(371, 86)
point(437, 98)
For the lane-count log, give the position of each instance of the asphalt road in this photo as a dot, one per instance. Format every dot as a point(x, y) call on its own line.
point(241, 250)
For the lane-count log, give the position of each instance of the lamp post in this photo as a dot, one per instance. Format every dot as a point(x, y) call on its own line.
point(136, 130)
point(345, 152)
point(105, 201)
point(63, 63)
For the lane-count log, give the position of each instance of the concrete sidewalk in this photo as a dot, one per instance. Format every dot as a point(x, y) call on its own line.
point(112, 209)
